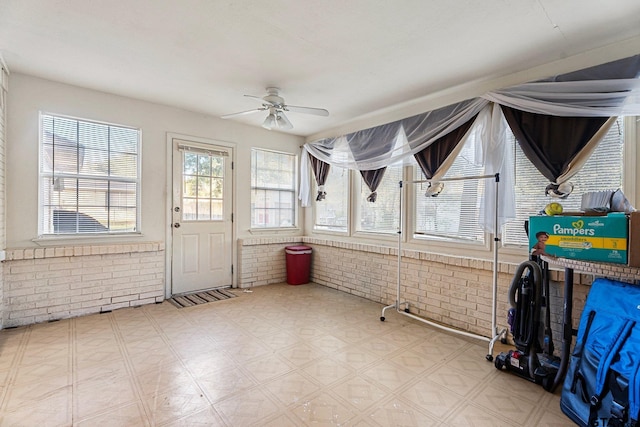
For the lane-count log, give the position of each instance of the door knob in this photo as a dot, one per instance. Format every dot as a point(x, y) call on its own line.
point(176, 225)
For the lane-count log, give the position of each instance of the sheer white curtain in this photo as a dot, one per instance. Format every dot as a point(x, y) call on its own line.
point(605, 91)
point(406, 137)
point(377, 147)
point(595, 98)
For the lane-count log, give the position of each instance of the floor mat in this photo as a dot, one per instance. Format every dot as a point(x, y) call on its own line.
point(198, 298)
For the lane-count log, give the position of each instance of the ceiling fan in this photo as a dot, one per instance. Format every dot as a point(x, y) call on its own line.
point(275, 105)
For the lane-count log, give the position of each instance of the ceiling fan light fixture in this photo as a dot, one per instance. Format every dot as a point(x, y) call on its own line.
point(270, 122)
point(283, 122)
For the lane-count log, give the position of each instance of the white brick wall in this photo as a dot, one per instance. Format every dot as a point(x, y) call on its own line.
point(56, 283)
point(262, 261)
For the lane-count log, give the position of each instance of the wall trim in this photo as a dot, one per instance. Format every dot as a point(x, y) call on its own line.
point(80, 250)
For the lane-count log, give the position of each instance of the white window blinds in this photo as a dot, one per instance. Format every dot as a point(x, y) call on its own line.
point(454, 213)
point(382, 216)
point(89, 177)
point(332, 213)
point(273, 189)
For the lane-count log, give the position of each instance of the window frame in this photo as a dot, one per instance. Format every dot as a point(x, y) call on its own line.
point(357, 200)
point(41, 235)
point(294, 191)
point(420, 236)
point(436, 244)
point(349, 207)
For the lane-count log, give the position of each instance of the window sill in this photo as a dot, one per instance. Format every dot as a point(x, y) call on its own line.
point(320, 231)
point(57, 240)
point(480, 250)
point(276, 230)
point(368, 236)
point(69, 249)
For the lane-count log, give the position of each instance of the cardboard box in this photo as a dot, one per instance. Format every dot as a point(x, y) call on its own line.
point(588, 238)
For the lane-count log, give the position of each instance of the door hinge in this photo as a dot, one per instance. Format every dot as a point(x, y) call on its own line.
point(232, 165)
point(231, 268)
point(231, 217)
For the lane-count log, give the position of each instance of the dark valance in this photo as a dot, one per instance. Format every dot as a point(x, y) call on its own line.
point(321, 172)
point(551, 142)
point(431, 158)
point(373, 178)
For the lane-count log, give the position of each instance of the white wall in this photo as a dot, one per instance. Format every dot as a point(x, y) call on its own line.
point(31, 95)
point(4, 83)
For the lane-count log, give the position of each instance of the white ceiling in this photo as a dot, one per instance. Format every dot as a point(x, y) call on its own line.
point(352, 57)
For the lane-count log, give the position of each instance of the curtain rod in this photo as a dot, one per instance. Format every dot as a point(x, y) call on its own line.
point(202, 150)
point(456, 178)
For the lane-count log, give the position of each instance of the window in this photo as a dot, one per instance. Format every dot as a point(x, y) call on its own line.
point(332, 213)
point(273, 189)
point(382, 216)
point(89, 177)
point(453, 214)
point(603, 171)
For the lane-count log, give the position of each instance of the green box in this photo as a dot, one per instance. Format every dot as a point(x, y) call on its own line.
point(589, 238)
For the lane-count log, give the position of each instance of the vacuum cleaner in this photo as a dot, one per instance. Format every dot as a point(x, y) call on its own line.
point(533, 357)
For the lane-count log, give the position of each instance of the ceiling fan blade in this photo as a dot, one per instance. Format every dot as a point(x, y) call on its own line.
point(242, 113)
point(307, 110)
point(264, 101)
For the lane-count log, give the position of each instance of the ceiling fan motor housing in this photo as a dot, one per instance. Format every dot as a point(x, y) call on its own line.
point(272, 98)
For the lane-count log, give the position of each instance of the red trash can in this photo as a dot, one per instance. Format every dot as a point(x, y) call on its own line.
point(298, 264)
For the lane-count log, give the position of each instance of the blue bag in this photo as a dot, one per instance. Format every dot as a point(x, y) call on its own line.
point(602, 385)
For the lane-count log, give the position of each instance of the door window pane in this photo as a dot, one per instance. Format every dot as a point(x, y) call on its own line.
point(199, 190)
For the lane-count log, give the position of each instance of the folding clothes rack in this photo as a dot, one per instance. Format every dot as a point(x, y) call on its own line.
point(494, 328)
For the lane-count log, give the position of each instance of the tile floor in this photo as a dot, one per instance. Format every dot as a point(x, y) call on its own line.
point(277, 356)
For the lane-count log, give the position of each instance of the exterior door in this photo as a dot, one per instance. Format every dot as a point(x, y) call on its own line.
point(202, 217)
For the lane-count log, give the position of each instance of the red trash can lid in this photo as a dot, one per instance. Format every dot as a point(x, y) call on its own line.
point(298, 248)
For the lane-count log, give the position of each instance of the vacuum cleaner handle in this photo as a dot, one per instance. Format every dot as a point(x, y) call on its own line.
point(536, 272)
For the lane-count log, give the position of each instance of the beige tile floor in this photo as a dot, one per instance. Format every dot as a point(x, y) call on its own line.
point(278, 356)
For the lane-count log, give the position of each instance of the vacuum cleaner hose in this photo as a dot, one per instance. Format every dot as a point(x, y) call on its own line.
point(515, 283)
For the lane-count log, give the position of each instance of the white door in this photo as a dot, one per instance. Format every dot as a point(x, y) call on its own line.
point(202, 217)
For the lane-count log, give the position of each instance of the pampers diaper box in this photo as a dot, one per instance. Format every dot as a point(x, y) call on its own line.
point(589, 238)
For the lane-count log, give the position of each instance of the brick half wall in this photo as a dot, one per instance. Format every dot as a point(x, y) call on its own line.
point(453, 291)
point(262, 261)
point(54, 283)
